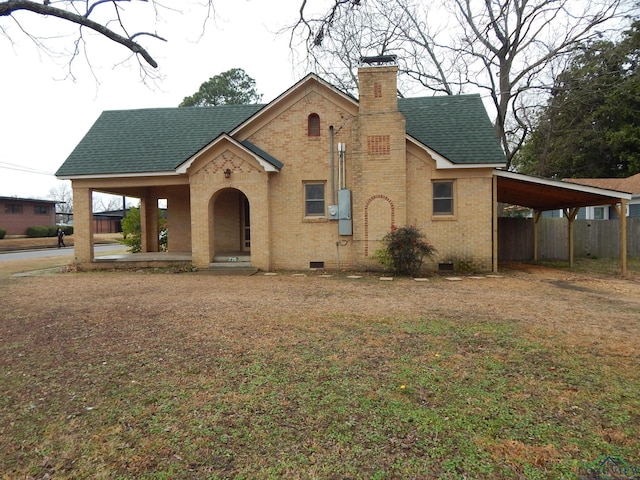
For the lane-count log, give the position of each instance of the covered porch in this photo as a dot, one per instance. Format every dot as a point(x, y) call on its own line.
point(225, 241)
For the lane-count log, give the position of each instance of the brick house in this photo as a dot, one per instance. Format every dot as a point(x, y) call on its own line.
point(315, 178)
point(18, 214)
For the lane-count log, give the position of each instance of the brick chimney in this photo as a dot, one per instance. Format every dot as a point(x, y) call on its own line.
point(378, 156)
point(378, 84)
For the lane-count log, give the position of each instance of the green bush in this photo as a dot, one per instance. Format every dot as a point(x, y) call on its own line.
point(38, 232)
point(67, 229)
point(53, 231)
point(3, 232)
point(404, 250)
point(132, 231)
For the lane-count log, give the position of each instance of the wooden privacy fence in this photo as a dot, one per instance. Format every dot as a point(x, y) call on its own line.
point(592, 238)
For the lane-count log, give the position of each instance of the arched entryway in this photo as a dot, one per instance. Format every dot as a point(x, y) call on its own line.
point(231, 225)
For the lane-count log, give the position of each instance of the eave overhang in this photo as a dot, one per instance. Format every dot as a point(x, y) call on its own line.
point(547, 194)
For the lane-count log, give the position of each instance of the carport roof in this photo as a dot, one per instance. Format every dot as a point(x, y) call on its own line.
point(546, 194)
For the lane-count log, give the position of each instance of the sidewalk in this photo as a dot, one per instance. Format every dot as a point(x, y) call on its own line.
point(25, 243)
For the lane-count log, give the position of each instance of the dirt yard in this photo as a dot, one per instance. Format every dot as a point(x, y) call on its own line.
point(600, 310)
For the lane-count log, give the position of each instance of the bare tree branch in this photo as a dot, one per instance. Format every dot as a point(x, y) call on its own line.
point(9, 7)
point(506, 48)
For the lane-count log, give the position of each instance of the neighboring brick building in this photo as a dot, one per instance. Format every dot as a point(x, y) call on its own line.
point(313, 179)
point(18, 214)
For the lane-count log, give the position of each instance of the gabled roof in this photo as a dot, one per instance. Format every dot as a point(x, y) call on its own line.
point(629, 184)
point(268, 163)
point(455, 126)
point(150, 140)
point(159, 140)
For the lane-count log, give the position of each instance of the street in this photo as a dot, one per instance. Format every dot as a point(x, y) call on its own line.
point(57, 252)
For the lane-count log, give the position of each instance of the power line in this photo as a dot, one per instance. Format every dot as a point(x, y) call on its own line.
point(21, 168)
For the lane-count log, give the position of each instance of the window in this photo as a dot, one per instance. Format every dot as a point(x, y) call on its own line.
point(598, 213)
point(13, 208)
point(40, 210)
point(313, 127)
point(314, 199)
point(443, 197)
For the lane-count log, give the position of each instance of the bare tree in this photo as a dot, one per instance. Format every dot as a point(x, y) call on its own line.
point(106, 17)
point(108, 203)
point(63, 196)
point(505, 49)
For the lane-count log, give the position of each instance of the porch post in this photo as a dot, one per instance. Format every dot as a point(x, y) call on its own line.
point(536, 225)
point(200, 199)
point(149, 224)
point(82, 225)
point(494, 202)
point(571, 216)
point(621, 210)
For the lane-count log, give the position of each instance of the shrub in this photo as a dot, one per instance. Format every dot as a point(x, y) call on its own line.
point(37, 232)
point(52, 231)
point(3, 232)
point(67, 229)
point(131, 230)
point(404, 250)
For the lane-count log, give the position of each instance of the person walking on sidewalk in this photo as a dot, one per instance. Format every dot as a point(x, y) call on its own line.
point(61, 238)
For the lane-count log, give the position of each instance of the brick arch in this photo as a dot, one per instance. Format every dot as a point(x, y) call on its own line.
point(228, 210)
point(366, 217)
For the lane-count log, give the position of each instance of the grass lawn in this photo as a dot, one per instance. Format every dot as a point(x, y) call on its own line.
point(180, 376)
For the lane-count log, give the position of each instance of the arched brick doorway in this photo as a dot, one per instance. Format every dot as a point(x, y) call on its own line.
point(231, 222)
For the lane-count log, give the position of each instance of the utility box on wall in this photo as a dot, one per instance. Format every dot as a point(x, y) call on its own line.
point(344, 213)
point(333, 212)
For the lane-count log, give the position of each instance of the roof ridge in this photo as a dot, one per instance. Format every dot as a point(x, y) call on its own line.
point(206, 107)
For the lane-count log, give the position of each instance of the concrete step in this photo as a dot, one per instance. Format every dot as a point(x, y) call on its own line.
point(232, 258)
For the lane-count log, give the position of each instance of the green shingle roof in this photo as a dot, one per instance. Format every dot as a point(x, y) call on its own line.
point(455, 126)
point(150, 140)
point(161, 139)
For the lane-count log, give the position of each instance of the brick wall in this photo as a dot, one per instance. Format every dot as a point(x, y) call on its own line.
point(29, 214)
point(464, 238)
point(387, 187)
point(390, 180)
point(178, 219)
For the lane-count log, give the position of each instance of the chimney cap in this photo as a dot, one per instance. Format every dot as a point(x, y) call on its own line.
point(379, 60)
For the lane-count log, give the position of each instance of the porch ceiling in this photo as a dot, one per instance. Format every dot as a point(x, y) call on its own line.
point(545, 194)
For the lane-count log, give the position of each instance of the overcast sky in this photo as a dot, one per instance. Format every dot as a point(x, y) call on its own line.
point(43, 116)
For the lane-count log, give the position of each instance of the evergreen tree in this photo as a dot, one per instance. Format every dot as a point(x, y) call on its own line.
point(233, 87)
point(591, 125)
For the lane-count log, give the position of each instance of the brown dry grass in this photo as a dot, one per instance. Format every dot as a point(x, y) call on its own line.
point(74, 323)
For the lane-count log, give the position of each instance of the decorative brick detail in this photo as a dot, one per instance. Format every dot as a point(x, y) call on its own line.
point(366, 218)
point(378, 144)
point(377, 90)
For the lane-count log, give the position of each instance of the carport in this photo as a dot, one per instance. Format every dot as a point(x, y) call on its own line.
point(542, 194)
